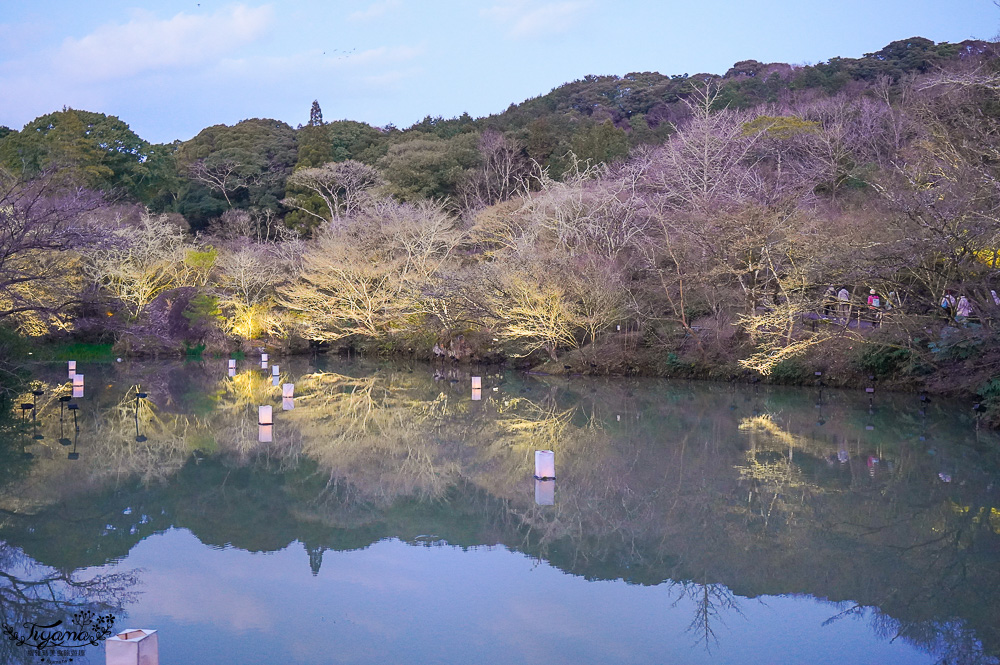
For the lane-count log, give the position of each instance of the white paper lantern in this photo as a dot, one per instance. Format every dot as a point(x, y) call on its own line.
point(477, 394)
point(287, 403)
point(263, 357)
point(288, 390)
point(263, 364)
point(477, 382)
point(232, 372)
point(274, 370)
point(264, 416)
point(545, 492)
point(265, 433)
point(545, 465)
point(232, 364)
point(78, 385)
point(275, 380)
point(72, 368)
point(133, 647)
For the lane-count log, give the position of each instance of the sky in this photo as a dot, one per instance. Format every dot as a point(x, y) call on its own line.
point(169, 69)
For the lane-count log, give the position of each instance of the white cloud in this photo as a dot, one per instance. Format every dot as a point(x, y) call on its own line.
point(147, 43)
point(375, 10)
point(526, 19)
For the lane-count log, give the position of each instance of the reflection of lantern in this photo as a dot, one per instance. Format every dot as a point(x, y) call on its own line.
point(477, 382)
point(78, 385)
point(264, 415)
point(275, 380)
point(545, 492)
point(545, 465)
point(287, 403)
point(232, 372)
point(72, 368)
point(477, 394)
point(288, 390)
point(265, 433)
point(232, 364)
point(133, 647)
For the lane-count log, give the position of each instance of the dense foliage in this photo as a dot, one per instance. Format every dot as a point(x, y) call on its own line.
point(714, 220)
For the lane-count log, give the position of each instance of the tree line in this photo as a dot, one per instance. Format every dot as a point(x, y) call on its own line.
point(546, 232)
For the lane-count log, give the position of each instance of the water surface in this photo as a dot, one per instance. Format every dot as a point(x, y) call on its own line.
point(393, 518)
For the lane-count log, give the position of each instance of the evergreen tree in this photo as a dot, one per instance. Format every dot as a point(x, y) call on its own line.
point(315, 114)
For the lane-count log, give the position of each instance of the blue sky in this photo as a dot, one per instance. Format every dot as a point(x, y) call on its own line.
point(170, 69)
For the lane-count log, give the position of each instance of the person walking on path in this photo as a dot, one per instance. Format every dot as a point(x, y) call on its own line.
point(874, 308)
point(830, 302)
point(845, 305)
point(963, 310)
point(948, 305)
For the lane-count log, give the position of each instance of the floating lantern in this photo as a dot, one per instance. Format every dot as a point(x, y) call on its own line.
point(869, 390)
point(133, 647)
point(274, 370)
point(275, 380)
point(545, 465)
point(263, 364)
point(232, 373)
point(78, 385)
point(72, 368)
point(477, 382)
point(287, 403)
point(545, 492)
point(264, 416)
point(232, 363)
point(265, 433)
point(477, 394)
point(288, 390)
point(263, 357)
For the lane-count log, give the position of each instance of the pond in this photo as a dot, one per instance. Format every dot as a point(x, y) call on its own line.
point(390, 515)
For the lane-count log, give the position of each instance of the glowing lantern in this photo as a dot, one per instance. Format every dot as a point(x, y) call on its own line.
point(78, 385)
point(545, 465)
point(288, 390)
point(72, 368)
point(477, 382)
point(274, 370)
point(133, 647)
point(264, 415)
point(477, 394)
point(263, 357)
point(232, 364)
point(265, 433)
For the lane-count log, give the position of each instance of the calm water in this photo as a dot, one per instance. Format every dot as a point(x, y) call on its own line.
point(391, 518)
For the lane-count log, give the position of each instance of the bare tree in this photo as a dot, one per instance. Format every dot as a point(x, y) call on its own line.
point(342, 186)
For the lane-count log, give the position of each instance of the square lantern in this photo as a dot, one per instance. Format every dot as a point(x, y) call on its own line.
point(477, 394)
point(232, 373)
point(133, 647)
point(264, 416)
point(72, 368)
point(288, 390)
point(287, 403)
point(275, 380)
point(545, 465)
point(545, 492)
point(263, 357)
point(232, 364)
point(78, 385)
point(477, 382)
point(265, 433)
point(274, 370)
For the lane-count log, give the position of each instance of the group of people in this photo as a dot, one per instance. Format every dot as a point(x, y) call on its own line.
point(837, 304)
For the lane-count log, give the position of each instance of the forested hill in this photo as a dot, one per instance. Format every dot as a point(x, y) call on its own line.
point(593, 120)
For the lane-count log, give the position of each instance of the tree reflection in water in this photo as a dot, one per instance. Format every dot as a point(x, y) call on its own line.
point(720, 493)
